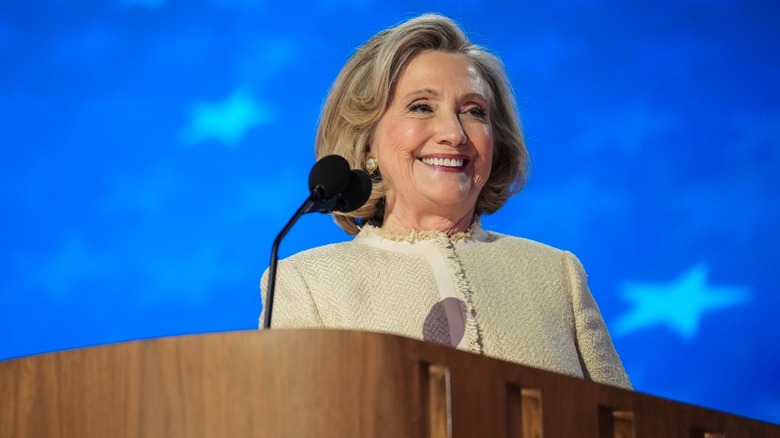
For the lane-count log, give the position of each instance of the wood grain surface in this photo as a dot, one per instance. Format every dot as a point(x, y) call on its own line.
point(325, 383)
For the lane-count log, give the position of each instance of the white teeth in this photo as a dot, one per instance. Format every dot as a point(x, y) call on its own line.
point(444, 162)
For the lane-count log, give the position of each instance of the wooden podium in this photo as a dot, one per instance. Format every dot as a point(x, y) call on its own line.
point(325, 383)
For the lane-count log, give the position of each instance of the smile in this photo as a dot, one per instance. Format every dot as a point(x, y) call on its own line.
point(443, 162)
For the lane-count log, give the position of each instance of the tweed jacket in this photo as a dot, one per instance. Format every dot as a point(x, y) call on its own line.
point(480, 291)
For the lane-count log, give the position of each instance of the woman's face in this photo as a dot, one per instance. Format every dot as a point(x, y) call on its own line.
point(434, 143)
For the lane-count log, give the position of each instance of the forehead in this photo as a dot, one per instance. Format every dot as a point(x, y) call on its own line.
point(437, 70)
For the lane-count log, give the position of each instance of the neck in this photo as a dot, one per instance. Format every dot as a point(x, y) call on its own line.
point(397, 223)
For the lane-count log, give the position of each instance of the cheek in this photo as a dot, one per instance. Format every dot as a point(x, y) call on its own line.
point(485, 149)
point(484, 145)
point(397, 142)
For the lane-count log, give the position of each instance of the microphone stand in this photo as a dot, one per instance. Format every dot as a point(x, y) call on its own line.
point(313, 203)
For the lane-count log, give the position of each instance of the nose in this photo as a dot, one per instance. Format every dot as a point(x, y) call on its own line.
point(450, 130)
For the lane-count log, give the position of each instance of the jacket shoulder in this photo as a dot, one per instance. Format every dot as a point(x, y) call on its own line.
point(523, 245)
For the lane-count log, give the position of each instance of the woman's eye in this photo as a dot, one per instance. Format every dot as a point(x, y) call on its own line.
point(420, 108)
point(476, 111)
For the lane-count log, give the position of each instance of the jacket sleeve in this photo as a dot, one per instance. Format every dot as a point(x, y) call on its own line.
point(293, 305)
point(600, 361)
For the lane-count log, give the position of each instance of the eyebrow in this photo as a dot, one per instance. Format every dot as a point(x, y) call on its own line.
point(422, 91)
point(434, 93)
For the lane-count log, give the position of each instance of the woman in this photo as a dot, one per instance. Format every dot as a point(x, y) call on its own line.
point(432, 118)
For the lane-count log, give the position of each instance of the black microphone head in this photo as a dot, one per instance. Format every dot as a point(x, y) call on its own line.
point(356, 193)
point(329, 176)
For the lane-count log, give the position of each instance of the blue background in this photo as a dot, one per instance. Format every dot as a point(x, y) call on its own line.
point(151, 150)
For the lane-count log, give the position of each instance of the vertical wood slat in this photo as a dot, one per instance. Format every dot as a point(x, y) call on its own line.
point(623, 424)
point(523, 412)
point(532, 413)
point(437, 400)
point(616, 423)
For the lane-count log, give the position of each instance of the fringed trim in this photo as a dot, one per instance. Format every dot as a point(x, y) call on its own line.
point(418, 235)
point(454, 264)
point(446, 245)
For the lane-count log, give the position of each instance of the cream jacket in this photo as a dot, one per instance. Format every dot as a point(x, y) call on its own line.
point(484, 292)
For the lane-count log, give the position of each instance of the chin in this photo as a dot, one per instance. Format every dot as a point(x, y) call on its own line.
point(455, 201)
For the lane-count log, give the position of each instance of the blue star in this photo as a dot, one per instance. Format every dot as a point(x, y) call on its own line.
point(678, 305)
point(226, 121)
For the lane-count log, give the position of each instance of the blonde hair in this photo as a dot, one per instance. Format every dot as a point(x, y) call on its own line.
point(363, 90)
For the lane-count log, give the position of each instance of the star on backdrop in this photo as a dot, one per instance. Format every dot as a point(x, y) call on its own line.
point(227, 121)
point(678, 305)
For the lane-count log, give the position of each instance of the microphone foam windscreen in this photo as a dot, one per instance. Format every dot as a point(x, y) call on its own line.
point(329, 176)
point(357, 192)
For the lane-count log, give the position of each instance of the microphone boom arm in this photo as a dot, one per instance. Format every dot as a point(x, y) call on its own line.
point(333, 187)
point(306, 207)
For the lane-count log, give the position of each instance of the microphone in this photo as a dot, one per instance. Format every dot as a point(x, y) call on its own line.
point(354, 195)
point(329, 176)
point(333, 187)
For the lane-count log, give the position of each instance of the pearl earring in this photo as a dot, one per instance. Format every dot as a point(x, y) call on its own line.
point(371, 165)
